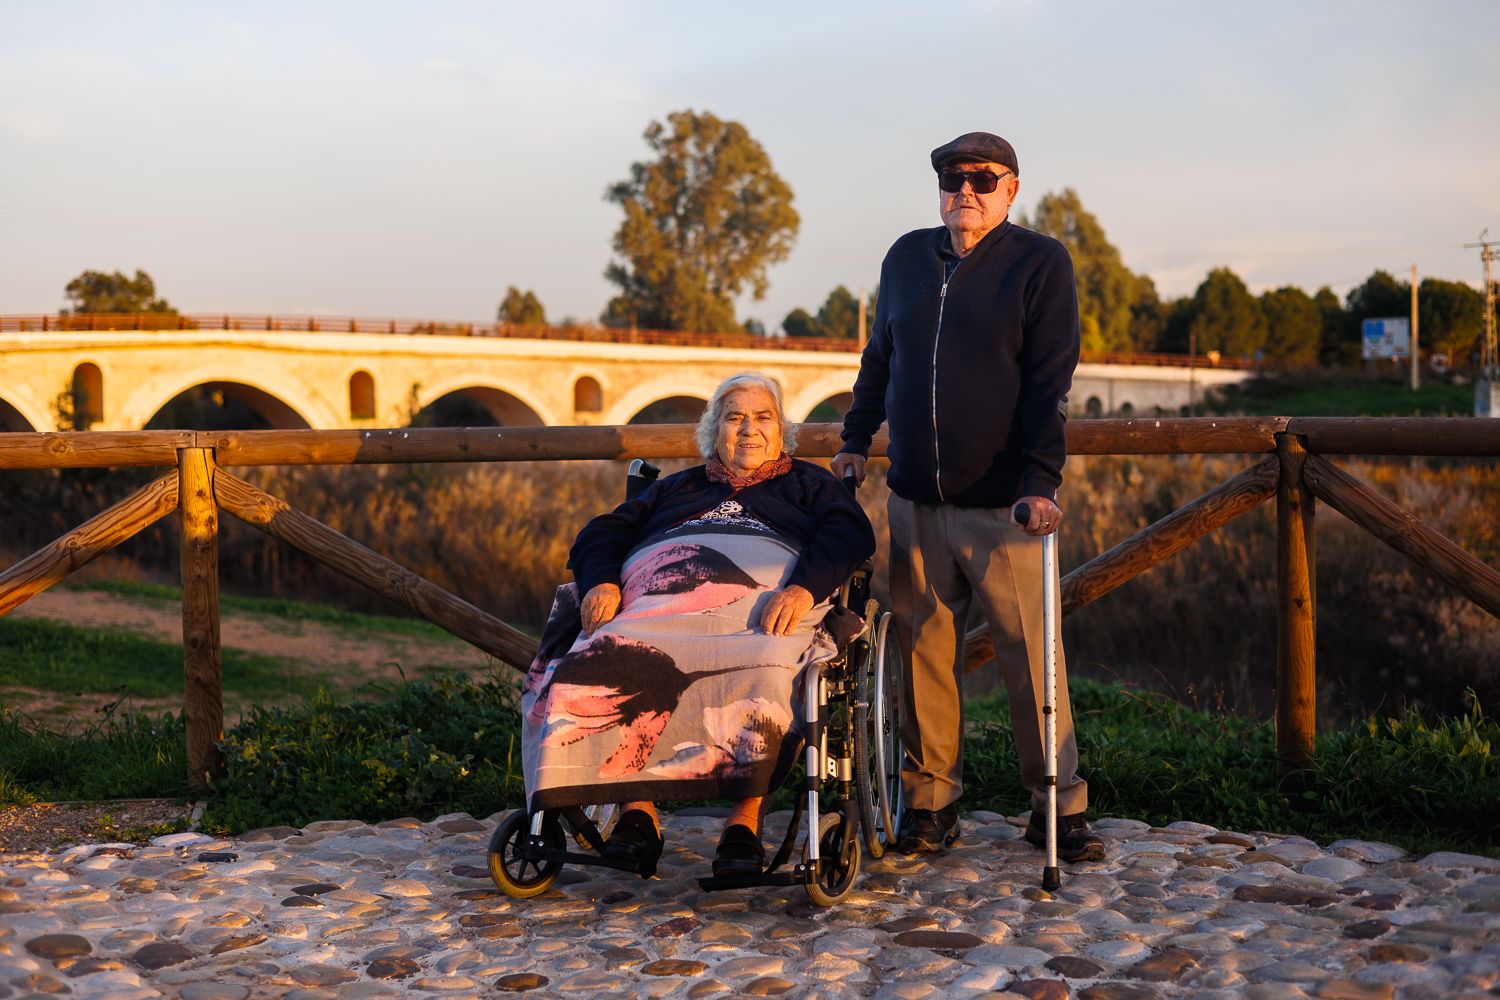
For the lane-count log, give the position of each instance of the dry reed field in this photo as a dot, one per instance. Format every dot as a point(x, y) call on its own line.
point(1201, 626)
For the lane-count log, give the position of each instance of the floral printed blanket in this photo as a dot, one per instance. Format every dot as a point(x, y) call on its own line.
point(681, 696)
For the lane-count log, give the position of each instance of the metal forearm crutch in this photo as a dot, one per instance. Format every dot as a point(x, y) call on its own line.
point(1051, 875)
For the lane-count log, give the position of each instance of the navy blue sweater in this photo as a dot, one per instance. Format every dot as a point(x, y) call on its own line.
point(969, 362)
point(807, 506)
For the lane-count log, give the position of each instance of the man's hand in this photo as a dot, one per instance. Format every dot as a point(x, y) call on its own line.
point(600, 605)
point(785, 609)
point(1045, 515)
point(846, 463)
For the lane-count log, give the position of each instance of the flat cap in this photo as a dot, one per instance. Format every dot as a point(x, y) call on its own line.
point(976, 147)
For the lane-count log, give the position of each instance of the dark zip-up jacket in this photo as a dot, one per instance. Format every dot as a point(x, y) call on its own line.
point(969, 363)
point(807, 506)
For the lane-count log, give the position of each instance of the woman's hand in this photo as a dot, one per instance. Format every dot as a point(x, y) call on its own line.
point(785, 609)
point(600, 605)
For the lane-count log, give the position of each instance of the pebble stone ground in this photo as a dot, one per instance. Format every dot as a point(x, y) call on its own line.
point(343, 909)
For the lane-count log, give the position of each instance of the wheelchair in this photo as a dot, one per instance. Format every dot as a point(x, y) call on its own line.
point(846, 802)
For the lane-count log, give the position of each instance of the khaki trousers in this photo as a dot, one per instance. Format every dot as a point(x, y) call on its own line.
point(943, 558)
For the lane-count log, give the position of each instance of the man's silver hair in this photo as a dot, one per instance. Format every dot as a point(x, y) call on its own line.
point(708, 424)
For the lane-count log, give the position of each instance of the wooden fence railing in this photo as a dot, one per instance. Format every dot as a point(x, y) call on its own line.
point(1294, 470)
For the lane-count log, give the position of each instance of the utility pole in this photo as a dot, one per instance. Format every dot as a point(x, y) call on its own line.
point(1416, 377)
point(1192, 370)
point(861, 319)
point(1487, 386)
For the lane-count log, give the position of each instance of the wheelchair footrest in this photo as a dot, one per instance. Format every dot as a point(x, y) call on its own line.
point(713, 883)
point(596, 860)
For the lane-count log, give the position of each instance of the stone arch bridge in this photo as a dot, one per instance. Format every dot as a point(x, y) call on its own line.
point(121, 380)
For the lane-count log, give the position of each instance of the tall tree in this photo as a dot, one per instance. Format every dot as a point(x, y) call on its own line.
point(1380, 295)
point(1177, 321)
point(703, 222)
point(1226, 317)
point(1451, 315)
point(1107, 289)
point(1334, 345)
point(1148, 317)
point(801, 323)
point(521, 307)
point(1294, 326)
point(100, 292)
point(838, 317)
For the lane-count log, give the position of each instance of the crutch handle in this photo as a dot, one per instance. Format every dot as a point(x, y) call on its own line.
point(1023, 513)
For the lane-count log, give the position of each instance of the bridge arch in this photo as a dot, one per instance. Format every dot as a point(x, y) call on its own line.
point(12, 419)
point(671, 410)
point(226, 405)
point(284, 402)
point(830, 410)
point(506, 407)
point(681, 387)
point(815, 400)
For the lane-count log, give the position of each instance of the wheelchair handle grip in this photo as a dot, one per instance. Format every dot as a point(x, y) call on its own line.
point(1023, 513)
point(850, 483)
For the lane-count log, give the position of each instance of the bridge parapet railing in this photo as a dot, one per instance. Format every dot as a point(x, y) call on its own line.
point(1293, 467)
point(105, 322)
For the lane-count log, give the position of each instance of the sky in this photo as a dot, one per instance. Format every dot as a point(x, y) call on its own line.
point(377, 159)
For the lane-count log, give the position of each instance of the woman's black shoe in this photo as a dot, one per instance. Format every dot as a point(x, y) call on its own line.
point(740, 852)
point(635, 840)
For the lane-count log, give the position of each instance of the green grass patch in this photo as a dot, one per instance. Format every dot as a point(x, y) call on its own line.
point(132, 758)
point(1329, 394)
point(282, 608)
point(436, 745)
point(1425, 786)
point(52, 656)
point(447, 744)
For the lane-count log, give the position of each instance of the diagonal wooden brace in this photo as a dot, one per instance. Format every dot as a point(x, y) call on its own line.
point(1429, 549)
point(1151, 545)
point(87, 542)
point(368, 567)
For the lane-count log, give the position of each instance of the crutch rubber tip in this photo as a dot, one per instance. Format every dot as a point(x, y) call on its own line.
point(1051, 879)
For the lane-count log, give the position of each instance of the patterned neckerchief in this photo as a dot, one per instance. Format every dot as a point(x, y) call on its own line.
point(718, 472)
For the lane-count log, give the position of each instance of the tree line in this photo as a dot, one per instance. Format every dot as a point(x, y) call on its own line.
point(708, 215)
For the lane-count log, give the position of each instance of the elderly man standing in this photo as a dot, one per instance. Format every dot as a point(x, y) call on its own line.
point(969, 362)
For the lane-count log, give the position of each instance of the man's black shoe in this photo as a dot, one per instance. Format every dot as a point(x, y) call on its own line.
point(924, 831)
point(1076, 840)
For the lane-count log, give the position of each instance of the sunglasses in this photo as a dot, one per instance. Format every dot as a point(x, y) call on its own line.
point(982, 181)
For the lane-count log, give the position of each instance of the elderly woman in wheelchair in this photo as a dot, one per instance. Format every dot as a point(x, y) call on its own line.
point(676, 674)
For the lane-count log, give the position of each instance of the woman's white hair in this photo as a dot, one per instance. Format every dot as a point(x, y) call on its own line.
point(708, 424)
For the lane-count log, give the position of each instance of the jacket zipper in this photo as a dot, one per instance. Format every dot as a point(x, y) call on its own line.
point(937, 458)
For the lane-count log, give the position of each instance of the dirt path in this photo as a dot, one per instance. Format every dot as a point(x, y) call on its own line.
point(345, 656)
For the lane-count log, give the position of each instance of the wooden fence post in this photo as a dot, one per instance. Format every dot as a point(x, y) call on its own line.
point(1296, 612)
point(203, 696)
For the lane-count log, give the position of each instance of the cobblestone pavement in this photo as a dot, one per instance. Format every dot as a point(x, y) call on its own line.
point(343, 909)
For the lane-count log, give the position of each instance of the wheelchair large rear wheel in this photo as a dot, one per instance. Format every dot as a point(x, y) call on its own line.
point(877, 739)
point(836, 870)
point(604, 817)
point(524, 877)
